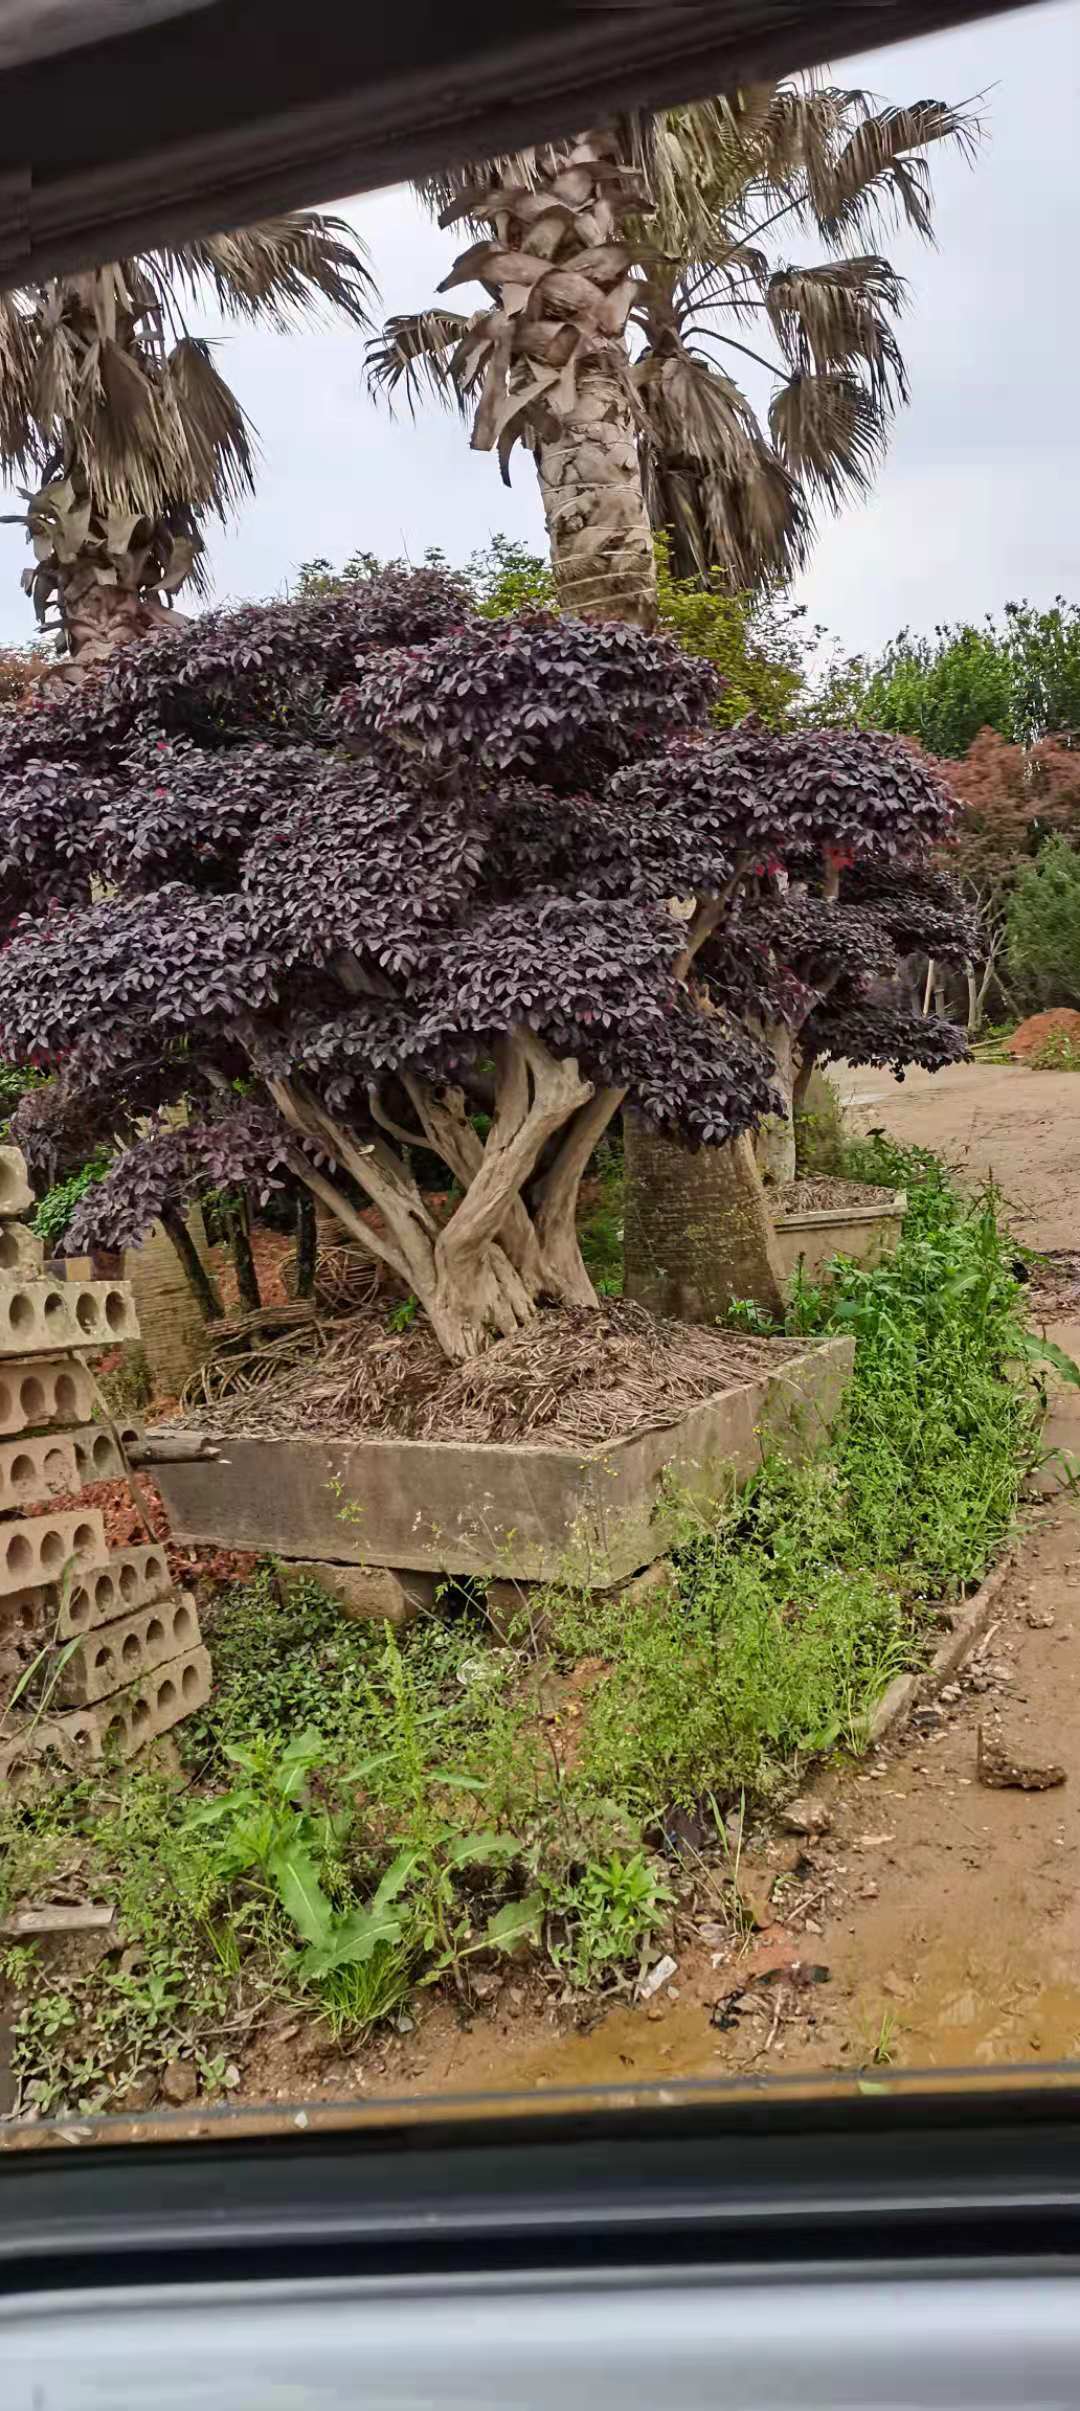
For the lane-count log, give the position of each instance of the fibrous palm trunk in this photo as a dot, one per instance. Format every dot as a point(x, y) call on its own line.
point(97, 618)
point(551, 362)
point(601, 544)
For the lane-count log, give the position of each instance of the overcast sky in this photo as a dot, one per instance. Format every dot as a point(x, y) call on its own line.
point(980, 498)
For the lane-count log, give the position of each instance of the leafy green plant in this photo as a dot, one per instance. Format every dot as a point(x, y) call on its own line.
point(1058, 1053)
point(52, 1214)
point(607, 1918)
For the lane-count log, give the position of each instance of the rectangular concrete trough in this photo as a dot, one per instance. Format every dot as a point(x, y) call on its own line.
point(527, 1514)
point(866, 1233)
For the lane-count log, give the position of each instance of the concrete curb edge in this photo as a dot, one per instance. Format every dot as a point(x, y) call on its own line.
point(906, 1691)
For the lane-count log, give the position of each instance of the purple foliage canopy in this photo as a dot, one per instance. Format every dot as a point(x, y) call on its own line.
point(354, 844)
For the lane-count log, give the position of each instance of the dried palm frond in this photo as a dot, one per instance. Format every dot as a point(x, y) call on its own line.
point(830, 433)
point(275, 273)
point(881, 169)
point(837, 315)
point(711, 475)
point(417, 350)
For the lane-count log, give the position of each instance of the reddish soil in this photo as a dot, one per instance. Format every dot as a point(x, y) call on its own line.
point(1032, 1035)
point(125, 1528)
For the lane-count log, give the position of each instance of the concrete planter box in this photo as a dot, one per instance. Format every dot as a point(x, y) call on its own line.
point(526, 1514)
point(866, 1233)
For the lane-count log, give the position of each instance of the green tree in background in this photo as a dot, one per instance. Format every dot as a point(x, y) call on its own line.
point(1044, 925)
point(1019, 676)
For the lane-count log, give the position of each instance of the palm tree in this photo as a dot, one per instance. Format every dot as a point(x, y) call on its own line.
point(626, 269)
point(618, 265)
point(119, 414)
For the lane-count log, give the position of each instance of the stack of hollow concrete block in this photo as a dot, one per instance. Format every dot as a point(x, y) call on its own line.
point(116, 1652)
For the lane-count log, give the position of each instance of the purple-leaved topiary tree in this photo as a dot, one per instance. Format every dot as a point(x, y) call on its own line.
point(355, 878)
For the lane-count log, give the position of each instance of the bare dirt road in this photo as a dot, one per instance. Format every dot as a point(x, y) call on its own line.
point(988, 1119)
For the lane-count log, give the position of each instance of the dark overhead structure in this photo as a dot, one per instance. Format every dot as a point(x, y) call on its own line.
point(126, 121)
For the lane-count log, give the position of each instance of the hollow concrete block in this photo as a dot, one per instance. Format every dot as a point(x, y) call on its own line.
point(40, 1548)
point(32, 1469)
point(115, 1655)
point(21, 1255)
point(16, 1194)
point(129, 1578)
point(35, 1394)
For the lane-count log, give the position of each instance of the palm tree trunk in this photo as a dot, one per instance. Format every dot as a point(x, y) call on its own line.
point(98, 618)
point(590, 485)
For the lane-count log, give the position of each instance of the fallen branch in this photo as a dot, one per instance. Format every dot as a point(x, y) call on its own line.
point(58, 1917)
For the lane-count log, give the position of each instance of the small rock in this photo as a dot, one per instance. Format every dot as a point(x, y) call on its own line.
point(875, 1841)
point(179, 2082)
point(868, 1892)
point(141, 2093)
point(928, 1713)
point(806, 1816)
point(1040, 1619)
point(950, 1693)
point(515, 2000)
point(486, 1986)
point(1000, 1770)
point(657, 1977)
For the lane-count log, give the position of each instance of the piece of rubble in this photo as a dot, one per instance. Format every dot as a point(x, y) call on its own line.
point(657, 1977)
point(1040, 1619)
point(997, 1767)
point(179, 2082)
point(806, 1817)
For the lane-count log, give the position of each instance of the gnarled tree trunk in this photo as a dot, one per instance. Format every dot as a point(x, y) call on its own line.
point(485, 1272)
point(774, 1146)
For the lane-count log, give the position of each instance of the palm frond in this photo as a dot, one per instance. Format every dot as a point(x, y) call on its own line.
point(276, 272)
point(833, 316)
point(830, 432)
point(417, 351)
point(710, 473)
point(217, 435)
point(880, 173)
